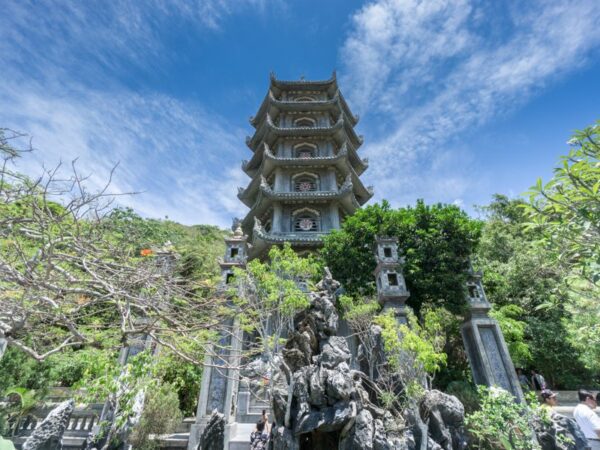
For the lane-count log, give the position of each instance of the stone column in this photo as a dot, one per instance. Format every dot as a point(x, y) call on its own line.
point(486, 349)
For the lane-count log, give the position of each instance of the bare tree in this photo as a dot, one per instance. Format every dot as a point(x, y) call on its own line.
point(68, 279)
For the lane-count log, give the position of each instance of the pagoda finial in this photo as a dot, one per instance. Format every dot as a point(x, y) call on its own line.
point(302, 78)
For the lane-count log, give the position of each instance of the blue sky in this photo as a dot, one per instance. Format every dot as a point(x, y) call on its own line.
point(458, 99)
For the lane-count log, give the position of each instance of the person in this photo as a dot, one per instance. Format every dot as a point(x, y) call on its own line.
point(537, 381)
point(258, 438)
point(549, 398)
point(265, 419)
point(587, 419)
point(523, 381)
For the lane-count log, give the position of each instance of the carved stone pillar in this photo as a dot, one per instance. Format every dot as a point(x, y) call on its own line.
point(486, 349)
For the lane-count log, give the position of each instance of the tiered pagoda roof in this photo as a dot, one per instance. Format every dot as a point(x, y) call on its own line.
point(298, 197)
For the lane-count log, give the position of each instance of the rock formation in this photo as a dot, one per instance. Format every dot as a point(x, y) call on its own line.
point(562, 433)
point(445, 415)
point(331, 406)
point(213, 436)
point(48, 434)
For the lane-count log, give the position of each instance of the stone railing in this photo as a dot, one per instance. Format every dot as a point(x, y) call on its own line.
point(80, 425)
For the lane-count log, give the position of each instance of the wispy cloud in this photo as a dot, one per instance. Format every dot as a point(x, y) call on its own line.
point(432, 69)
point(63, 64)
point(179, 155)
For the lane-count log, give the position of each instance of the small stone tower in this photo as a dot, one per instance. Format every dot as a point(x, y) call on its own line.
point(235, 253)
point(391, 286)
point(304, 168)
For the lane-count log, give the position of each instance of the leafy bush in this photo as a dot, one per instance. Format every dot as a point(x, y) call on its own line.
point(501, 423)
point(20, 370)
point(184, 379)
point(161, 415)
point(466, 393)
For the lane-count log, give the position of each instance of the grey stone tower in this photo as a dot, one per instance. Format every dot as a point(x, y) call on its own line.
point(235, 253)
point(304, 168)
point(486, 349)
point(391, 286)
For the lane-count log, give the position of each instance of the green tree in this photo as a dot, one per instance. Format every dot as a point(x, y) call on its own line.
point(520, 280)
point(269, 294)
point(436, 240)
point(566, 211)
point(567, 208)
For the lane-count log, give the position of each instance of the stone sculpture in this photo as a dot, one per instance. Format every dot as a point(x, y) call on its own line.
point(48, 434)
point(213, 436)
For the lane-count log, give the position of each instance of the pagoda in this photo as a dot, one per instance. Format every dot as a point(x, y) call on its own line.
point(304, 168)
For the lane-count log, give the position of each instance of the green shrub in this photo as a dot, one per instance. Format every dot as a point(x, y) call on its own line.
point(466, 393)
point(501, 423)
point(161, 415)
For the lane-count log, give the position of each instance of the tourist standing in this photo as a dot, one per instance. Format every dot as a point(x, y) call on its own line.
point(259, 438)
point(549, 398)
point(537, 381)
point(587, 419)
point(523, 381)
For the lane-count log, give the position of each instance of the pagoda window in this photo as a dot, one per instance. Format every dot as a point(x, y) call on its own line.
point(392, 279)
point(306, 223)
point(306, 183)
point(305, 99)
point(234, 252)
point(387, 252)
point(306, 220)
point(305, 122)
point(304, 151)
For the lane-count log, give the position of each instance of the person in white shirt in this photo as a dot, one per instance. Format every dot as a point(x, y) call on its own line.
point(587, 419)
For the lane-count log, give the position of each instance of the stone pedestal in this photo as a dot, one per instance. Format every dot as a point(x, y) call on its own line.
point(486, 349)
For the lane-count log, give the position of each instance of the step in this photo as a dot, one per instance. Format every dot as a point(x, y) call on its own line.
point(241, 436)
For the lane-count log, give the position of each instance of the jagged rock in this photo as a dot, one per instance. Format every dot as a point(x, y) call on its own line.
point(562, 434)
point(316, 387)
point(361, 436)
point(284, 439)
point(445, 414)
point(334, 352)
point(339, 384)
point(48, 434)
point(330, 407)
point(213, 436)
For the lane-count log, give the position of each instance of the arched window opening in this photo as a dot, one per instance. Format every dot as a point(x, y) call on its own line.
point(306, 183)
point(305, 122)
point(305, 220)
point(304, 151)
point(305, 223)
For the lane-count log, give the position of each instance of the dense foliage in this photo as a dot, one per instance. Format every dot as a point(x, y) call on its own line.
point(524, 285)
point(436, 241)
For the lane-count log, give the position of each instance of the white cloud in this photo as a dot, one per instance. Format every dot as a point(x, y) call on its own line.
point(62, 66)
point(179, 155)
point(429, 70)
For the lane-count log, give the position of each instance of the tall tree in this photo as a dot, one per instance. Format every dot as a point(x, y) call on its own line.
point(436, 241)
